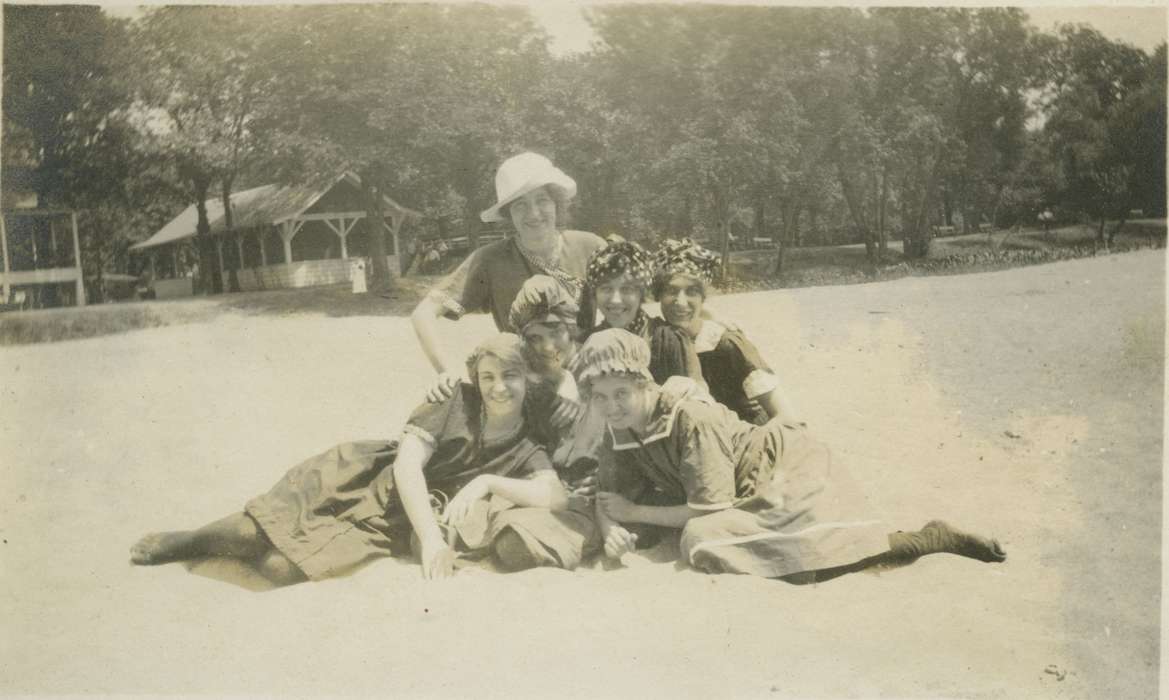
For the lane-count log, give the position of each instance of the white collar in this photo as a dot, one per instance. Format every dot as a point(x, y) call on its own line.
point(709, 336)
point(660, 425)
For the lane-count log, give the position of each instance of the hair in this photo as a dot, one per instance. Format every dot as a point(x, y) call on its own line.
point(663, 278)
point(639, 381)
point(505, 347)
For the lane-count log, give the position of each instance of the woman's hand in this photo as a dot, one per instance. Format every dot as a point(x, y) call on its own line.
point(565, 413)
point(618, 541)
point(615, 506)
point(585, 487)
point(443, 387)
point(438, 559)
point(460, 506)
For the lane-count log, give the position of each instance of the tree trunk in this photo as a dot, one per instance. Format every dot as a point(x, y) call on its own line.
point(856, 211)
point(1100, 240)
point(229, 236)
point(381, 281)
point(210, 280)
point(1116, 229)
point(882, 232)
point(917, 237)
point(722, 211)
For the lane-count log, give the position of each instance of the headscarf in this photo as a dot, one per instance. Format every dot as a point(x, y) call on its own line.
point(684, 257)
point(542, 297)
point(620, 257)
point(611, 351)
point(505, 347)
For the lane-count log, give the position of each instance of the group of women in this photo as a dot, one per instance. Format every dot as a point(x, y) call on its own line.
point(585, 425)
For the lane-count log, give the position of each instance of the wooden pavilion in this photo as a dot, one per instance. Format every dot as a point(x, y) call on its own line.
point(286, 236)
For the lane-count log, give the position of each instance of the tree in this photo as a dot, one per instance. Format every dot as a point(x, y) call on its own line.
point(195, 82)
point(1096, 96)
point(421, 100)
point(58, 93)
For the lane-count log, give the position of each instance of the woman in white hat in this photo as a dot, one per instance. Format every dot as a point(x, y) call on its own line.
point(534, 194)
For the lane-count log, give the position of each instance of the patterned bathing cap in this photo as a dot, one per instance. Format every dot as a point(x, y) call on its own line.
point(619, 257)
point(685, 257)
point(542, 297)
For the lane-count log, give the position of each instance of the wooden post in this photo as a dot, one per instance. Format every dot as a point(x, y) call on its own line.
point(260, 234)
point(395, 227)
point(219, 250)
point(286, 239)
point(77, 262)
point(53, 239)
point(174, 256)
point(239, 249)
point(288, 230)
point(153, 265)
point(4, 244)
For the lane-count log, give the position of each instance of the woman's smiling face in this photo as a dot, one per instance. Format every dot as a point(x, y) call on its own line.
point(682, 299)
point(502, 387)
point(534, 215)
point(549, 345)
point(622, 400)
point(619, 299)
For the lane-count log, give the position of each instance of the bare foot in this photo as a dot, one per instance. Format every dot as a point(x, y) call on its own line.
point(158, 548)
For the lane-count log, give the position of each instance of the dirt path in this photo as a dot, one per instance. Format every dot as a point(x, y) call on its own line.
point(1025, 403)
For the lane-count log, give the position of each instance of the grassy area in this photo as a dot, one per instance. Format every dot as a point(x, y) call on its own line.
point(750, 270)
point(975, 252)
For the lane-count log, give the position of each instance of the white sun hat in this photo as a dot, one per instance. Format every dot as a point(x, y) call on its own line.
point(520, 175)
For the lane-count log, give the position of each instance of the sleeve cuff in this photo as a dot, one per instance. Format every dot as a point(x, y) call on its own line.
point(453, 308)
point(759, 383)
point(420, 434)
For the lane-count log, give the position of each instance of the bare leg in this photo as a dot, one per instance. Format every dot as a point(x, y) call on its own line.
point(279, 569)
point(235, 536)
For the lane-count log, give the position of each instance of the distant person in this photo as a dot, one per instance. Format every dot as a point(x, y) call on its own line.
point(432, 259)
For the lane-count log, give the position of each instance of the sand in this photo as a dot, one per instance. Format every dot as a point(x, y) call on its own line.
point(1025, 404)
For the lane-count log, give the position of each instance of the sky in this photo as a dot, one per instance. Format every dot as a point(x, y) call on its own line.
point(1137, 23)
point(1143, 25)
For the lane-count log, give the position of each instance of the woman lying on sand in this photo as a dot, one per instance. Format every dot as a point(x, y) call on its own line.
point(764, 500)
point(361, 501)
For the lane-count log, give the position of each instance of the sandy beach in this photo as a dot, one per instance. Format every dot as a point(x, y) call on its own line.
point(1027, 404)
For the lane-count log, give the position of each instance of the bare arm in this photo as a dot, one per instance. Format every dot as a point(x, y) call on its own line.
point(617, 507)
point(413, 454)
point(543, 490)
point(425, 321)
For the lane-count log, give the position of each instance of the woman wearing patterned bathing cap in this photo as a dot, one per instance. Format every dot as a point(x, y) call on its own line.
point(734, 370)
point(618, 280)
point(532, 194)
point(763, 500)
